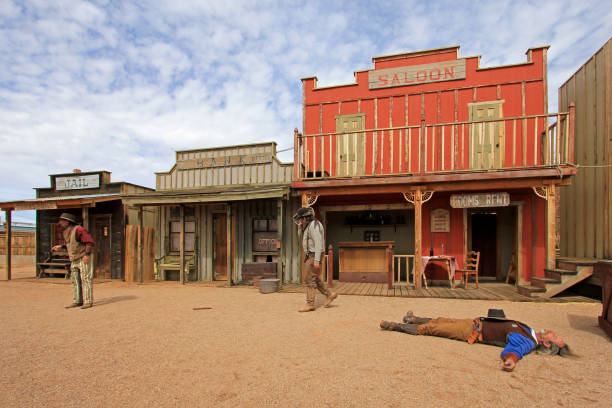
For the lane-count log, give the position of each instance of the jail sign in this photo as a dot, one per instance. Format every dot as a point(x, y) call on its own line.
point(501, 199)
point(77, 182)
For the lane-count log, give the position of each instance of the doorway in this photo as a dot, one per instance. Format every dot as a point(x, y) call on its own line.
point(493, 232)
point(102, 249)
point(220, 246)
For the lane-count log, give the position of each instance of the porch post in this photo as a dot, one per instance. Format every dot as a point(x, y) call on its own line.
point(85, 216)
point(9, 232)
point(140, 242)
point(280, 260)
point(182, 245)
point(228, 228)
point(418, 215)
point(551, 230)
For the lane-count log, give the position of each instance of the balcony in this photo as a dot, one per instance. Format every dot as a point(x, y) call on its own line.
point(431, 151)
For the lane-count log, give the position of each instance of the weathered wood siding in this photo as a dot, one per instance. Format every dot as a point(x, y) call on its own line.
point(586, 221)
point(244, 212)
point(272, 172)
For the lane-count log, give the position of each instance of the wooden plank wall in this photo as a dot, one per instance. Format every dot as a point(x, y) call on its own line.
point(586, 220)
point(131, 253)
point(22, 242)
point(265, 173)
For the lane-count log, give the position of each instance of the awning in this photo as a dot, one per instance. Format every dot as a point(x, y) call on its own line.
point(207, 195)
point(52, 203)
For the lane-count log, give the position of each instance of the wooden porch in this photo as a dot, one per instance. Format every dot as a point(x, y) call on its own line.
point(486, 291)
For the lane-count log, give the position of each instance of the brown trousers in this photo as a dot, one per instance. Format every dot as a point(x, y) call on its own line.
point(312, 277)
point(457, 329)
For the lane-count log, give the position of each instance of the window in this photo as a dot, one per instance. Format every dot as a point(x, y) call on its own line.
point(175, 236)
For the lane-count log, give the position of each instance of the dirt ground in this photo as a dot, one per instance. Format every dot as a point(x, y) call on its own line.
point(143, 345)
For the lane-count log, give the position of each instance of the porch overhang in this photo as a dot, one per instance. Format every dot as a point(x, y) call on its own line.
point(52, 203)
point(176, 197)
point(451, 181)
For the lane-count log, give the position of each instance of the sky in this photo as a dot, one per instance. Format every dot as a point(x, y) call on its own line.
point(121, 85)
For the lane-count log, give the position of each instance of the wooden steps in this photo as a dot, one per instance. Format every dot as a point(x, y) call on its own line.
point(566, 275)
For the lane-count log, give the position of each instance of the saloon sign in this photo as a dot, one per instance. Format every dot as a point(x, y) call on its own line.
point(417, 74)
point(480, 200)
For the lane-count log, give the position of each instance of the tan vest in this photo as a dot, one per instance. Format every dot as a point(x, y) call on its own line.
point(76, 250)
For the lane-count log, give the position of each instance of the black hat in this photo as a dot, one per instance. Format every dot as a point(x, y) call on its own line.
point(499, 313)
point(68, 217)
point(302, 213)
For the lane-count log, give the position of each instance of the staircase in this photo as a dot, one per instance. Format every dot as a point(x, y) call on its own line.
point(567, 274)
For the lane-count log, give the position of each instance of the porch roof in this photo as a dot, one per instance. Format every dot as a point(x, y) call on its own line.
point(51, 203)
point(195, 196)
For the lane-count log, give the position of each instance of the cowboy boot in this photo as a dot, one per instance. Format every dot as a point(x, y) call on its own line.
point(410, 318)
point(404, 328)
point(330, 298)
point(310, 299)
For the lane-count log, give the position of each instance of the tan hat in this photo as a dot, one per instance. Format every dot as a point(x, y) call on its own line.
point(68, 217)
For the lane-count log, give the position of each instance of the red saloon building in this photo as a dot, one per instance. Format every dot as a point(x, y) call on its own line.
point(429, 153)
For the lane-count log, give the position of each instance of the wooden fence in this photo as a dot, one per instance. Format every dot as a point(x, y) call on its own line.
point(22, 242)
point(136, 238)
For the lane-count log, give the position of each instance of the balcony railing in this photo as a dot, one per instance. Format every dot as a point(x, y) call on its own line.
point(497, 144)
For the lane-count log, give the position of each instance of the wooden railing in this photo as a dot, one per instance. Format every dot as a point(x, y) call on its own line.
point(402, 269)
point(496, 144)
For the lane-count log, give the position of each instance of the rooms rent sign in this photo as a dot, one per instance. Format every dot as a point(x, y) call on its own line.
point(417, 74)
point(480, 200)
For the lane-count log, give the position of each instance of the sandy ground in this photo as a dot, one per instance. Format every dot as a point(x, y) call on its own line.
point(143, 345)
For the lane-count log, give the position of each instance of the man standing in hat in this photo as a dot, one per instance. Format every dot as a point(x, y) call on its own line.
point(79, 245)
point(515, 337)
point(313, 243)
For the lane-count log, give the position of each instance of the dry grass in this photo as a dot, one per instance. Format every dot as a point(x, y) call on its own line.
point(143, 345)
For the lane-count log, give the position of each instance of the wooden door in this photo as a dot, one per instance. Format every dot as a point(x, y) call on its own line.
point(484, 240)
point(102, 248)
point(486, 141)
point(350, 146)
point(220, 246)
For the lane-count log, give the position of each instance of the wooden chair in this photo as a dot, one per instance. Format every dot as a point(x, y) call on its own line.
point(472, 259)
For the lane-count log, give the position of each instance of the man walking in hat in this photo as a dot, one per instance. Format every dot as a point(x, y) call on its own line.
point(79, 245)
point(313, 243)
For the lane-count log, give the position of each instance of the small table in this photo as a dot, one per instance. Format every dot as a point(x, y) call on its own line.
point(451, 266)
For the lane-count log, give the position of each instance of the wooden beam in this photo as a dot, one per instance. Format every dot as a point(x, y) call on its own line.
point(418, 220)
point(281, 250)
point(551, 230)
point(228, 249)
point(140, 243)
point(8, 229)
point(182, 245)
point(85, 217)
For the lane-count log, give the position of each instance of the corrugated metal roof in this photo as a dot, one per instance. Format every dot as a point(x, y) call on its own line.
point(46, 203)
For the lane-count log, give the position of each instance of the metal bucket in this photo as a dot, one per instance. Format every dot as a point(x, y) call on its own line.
point(268, 285)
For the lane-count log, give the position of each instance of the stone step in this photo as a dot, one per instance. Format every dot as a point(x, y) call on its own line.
point(542, 282)
point(528, 290)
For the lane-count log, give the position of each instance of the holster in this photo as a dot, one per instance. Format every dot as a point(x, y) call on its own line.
point(476, 335)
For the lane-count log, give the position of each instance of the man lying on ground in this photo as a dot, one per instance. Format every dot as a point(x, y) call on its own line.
point(517, 338)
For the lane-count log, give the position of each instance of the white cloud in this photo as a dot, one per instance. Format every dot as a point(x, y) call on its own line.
point(121, 85)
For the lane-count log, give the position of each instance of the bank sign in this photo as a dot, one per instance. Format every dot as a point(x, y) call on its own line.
point(480, 200)
point(417, 74)
point(77, 182)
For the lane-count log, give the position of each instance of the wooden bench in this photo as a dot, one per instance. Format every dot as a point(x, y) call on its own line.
point(171, 262)
point(55, 260)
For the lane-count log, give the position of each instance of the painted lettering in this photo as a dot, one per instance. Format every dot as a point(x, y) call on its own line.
point(406, 81)
point(434, 71)
point(383, 80)
point(449, 72)
point(421, 76)
point(395, 80)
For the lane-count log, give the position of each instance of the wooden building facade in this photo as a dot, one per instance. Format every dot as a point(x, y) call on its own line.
point(96, 201)
point(225, 215)
point(586, 205)
point(434, 154)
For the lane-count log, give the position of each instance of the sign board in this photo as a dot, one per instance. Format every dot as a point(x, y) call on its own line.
point(417, 74)
point(77, 182)
point(265, 241)
point(440, 220)
point(223, 161)
point(501, 199)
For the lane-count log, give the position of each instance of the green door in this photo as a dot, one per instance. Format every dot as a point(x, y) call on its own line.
point(486, 135)
point(350, 145)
